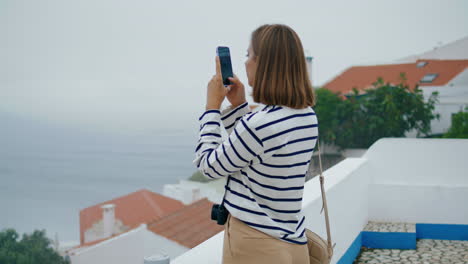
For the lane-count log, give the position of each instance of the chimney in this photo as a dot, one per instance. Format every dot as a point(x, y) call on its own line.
point(108, 219)
point(157, 259)
point(309, 64)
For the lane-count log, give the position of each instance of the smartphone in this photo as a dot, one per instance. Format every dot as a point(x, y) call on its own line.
point(226, 65)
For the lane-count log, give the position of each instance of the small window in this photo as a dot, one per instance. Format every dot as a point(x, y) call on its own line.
point(428, 78)
point(421, 64)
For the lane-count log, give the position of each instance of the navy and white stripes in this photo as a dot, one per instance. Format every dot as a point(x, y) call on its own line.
point(267, 154)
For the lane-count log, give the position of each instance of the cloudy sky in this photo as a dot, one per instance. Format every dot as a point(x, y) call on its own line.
point(141, 65)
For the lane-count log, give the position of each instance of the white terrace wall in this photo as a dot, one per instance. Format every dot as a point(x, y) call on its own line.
point(419, 180)
point(347, 194)
point(416, 180)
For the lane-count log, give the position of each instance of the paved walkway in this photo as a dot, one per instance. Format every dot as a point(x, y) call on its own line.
point(428, 251)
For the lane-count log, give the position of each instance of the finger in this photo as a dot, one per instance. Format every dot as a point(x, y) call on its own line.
point(234, 81)
point(218, 66)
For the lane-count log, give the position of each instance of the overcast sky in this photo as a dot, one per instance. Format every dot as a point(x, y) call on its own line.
point(110, 64)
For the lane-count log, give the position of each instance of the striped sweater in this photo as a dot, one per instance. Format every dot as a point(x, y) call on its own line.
point(267, 154)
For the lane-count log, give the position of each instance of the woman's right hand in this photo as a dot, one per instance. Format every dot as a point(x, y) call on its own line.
point(236, 94)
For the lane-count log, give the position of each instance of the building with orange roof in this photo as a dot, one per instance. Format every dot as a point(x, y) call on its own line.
point(447, 77)
point(189, 226)
point(422, 73)
point(131, 210)
point(139, 225)
point(131, 246)
point(443, 70)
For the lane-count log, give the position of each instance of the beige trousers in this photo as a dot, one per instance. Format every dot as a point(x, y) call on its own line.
point(245, 245)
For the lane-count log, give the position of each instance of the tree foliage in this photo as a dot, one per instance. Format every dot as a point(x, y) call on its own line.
point(34, 248)
point(459, 127)
point(197, 176)
point(385, 110)
point(327, 110)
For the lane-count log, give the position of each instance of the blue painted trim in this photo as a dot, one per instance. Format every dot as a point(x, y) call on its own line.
point(399, 240)
point(353, 251)
point(442, 231)
point(394, 240)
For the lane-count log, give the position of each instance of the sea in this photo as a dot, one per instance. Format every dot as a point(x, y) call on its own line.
point(49, 172)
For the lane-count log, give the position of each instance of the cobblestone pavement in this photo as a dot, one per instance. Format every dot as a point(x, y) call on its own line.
point(376, 226)
point(428, 251)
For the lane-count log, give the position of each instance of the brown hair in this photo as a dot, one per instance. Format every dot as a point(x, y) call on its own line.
point(281, 76)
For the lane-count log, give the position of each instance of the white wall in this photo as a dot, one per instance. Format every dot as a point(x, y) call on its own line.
point(445, 111)
point(159, 244)
point(456, 50)
point(398, 179)
point(212, 190)
point(419, 180)
point(347, 204)
point(209, 251)
point(452, 98)
point(461, 79)
point(440, 162)
point(131, 247)
point(346, 192)
point(185, 193)
point(126, 248)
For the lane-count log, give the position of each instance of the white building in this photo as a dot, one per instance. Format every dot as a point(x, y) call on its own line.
point(448, 77)
point(444, 69)
point(128, 247)
point(456, 50)
point(190, 191)
point(453, 96)
point(139, 225)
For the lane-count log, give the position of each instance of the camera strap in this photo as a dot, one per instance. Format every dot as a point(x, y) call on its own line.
point(225, 189)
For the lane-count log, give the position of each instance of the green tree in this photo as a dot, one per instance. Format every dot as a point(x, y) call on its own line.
point(327, 114)
point(34, 248)
point(197, 176)
point(459, 127)
point(385, 110)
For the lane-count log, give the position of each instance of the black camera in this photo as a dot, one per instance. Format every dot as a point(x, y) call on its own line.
point(219, 213)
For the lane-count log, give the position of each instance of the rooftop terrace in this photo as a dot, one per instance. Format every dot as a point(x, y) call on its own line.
point(404, 194)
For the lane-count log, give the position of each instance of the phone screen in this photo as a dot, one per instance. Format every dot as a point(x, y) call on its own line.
point(226, 66)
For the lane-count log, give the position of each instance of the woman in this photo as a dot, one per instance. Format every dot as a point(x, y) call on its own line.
point(268, 151)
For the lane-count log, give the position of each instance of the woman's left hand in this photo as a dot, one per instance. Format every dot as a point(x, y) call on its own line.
point(216, 92)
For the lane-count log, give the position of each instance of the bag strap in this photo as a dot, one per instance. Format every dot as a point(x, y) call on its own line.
point(324, 203)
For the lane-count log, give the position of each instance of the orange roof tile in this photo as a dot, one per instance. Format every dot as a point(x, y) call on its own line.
point(189, 226)
point(362, 77)
point(139, 207)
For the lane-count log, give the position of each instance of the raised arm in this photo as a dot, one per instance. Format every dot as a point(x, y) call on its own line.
point(217, 158)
